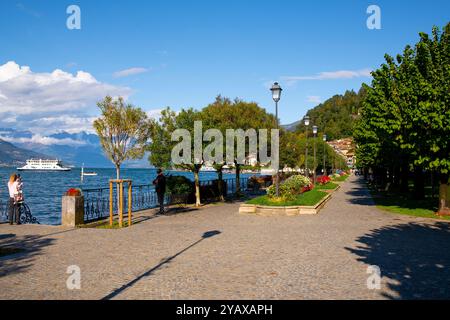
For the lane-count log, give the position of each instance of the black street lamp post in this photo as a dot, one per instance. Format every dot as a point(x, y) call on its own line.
point(276, 95)
point(315, 164)
point(324, 154)
point(306, 121)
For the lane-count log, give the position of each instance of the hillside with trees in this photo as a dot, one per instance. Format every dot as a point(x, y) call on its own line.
point(336, 116)
point(11, 156)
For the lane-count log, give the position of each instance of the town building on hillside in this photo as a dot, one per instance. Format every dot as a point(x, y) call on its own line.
point(345, 148)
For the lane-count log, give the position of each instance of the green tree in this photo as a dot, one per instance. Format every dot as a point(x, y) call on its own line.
point(215, 115)
point(405, 119)
point(291, 149)
point(226, 114)
point(432, 118)
point(123, 130)
point(162, 144)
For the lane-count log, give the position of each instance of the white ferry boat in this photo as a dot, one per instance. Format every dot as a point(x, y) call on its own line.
point(43, 165)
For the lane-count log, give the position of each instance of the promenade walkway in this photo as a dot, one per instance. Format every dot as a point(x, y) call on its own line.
point(215, 253)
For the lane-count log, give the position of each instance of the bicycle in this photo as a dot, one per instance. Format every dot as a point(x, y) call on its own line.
point(24, 212)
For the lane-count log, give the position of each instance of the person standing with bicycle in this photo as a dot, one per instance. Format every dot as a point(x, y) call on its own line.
point(14, 186)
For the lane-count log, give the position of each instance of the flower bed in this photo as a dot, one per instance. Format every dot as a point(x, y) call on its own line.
point(297, 196)
point(290, 188)
point(309, 203)
point(310, 198)
point(323, 180)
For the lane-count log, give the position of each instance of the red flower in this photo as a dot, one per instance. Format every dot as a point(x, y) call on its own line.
point(307, 188)
point(73, 192)
point(322, 180)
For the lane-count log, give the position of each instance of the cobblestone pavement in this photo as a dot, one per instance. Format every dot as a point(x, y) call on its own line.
point(216, 253)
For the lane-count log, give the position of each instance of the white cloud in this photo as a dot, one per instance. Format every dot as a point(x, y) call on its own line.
point(37, 93)
point(314, 99)
point(67, 123)
point(333, 75)
point(51, 102)
point(129, 72)
point(37, 138)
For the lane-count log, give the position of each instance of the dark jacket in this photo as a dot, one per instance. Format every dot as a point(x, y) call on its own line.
point(160, 183)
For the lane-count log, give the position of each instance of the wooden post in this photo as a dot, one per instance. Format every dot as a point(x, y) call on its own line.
point(120, 203)
point(129, 202)
point(111, 203)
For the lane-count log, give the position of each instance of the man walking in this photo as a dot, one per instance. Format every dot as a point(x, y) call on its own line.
point(160, 187)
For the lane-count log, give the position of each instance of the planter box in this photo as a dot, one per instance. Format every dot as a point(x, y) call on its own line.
point(72, 213)
point(283, 211)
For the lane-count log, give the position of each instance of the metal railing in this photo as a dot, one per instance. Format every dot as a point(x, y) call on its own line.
point(3, 211)
point(22, 209)
point(96, 201)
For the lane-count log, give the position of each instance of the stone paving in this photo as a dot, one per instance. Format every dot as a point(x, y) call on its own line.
point(216, 253)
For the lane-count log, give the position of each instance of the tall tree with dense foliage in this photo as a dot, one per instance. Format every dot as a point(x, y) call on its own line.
point(162, 144)
point(405, 119)
point(433, 116)
point(215, 115)
point(123, 130)
point(225, 114)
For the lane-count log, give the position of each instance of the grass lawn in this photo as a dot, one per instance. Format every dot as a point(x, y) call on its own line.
point(341, 178)
point(404, 204)
point(309, 198)
point(328, 186)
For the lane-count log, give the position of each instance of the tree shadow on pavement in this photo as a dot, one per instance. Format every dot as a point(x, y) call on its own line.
point(360, 195)
point(163, 263)
point(414, 259)
point(17, 253)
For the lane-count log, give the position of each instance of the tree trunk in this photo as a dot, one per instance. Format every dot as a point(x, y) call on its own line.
point(117, 187)
point(419, 184)
point(117, 172)
point(444, 200)
point(238, 180)
point(396, 176)
point(404, 183)
point(382, 177)
point(197, 187)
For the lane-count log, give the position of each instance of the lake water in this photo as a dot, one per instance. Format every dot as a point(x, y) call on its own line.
point(43, 190)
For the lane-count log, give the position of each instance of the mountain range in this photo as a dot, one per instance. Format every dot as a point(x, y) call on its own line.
point(73, 149)
point(11, 155)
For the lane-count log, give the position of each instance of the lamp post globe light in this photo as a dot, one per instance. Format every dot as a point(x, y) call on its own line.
point(276, 95)
point(306, 122)
point(324, 153)
point(315, 165)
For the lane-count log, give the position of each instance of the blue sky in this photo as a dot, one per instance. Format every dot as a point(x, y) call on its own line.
point(184, 53)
